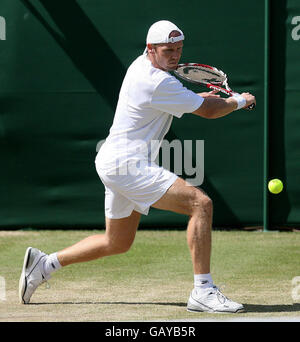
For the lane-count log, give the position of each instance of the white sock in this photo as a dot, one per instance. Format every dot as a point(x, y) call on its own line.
point(51, 264)
point(203, 281)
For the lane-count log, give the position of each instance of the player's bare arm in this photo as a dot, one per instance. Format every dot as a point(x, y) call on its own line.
point(214, 107)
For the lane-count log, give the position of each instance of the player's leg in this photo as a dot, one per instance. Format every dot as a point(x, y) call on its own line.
point(185, 199)
point(118, 238)
point(38, 266)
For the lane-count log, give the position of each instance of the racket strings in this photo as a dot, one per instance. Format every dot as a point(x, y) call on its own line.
point(202, 74)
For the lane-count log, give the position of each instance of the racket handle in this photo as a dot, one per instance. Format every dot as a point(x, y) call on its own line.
point(251, 107)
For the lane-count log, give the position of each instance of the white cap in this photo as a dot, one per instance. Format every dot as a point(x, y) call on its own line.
point(160, 31)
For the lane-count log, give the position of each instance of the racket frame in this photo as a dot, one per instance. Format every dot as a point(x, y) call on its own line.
point(222, 87)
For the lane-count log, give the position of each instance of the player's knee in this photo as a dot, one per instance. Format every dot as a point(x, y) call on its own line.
point(124, 247)
point(207, 204)
point(119, 246)
point(202, 204)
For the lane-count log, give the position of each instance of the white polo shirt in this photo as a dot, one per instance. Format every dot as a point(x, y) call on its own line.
point(148, 100)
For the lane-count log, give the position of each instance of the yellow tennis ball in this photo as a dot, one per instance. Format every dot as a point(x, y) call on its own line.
point(275, 186)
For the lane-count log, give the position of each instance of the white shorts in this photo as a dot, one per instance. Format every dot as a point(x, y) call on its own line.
point(128, 191)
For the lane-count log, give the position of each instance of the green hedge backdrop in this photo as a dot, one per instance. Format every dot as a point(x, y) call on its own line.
point(62, 64)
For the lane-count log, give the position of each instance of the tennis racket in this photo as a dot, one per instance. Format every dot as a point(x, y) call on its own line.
point(208, 76)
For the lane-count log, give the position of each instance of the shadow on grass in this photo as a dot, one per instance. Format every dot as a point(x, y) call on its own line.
point(261, 308)
point(272, 308)
point(113, 303)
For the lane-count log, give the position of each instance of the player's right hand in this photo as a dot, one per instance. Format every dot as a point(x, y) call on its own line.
point(250, 99)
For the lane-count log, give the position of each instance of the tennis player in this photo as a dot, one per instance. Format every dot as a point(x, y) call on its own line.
point(149, 99)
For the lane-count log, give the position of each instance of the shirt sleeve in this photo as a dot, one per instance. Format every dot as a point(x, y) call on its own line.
point(172, 97)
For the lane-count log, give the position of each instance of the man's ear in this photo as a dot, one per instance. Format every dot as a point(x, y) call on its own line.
point(150, 48)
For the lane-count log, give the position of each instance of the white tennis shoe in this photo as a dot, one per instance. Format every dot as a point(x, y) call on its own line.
point(212, 300)
point(32, 274)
